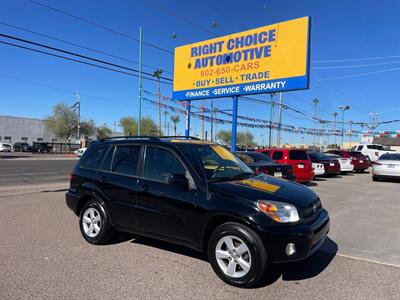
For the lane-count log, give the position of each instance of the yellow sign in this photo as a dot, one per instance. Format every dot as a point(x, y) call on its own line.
point(262, 60)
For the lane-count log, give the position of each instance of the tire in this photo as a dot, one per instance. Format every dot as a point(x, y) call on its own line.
point(94, 223)
point(375, 178)
point(254, 257)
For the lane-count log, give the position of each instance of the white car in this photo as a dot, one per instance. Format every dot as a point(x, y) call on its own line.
point(4, 147)
point(79, 152)
point(318, 169)
point(372, 151)
point(386, 167)
point(345, 163)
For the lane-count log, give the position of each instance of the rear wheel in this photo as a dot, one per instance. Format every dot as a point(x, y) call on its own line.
point(237, 255)
point(94, 223)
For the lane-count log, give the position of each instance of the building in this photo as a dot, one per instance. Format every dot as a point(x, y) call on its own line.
point(17, 129)
point(392, 142)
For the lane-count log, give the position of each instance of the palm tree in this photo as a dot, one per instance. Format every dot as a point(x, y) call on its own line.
point(157, 74)
point(175, 120)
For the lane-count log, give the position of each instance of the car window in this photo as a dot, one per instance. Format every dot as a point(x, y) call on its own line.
point(375, 147)
point(260, 157)
point(93, 159)
point(267, 152)
point(125, 160)
point(298, 155)
point(159, 163)
point(359, 147)
point(106, 165)
point(277, 155)
point(245, 158)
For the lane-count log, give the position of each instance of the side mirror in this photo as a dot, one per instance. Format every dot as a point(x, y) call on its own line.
point(177, 180)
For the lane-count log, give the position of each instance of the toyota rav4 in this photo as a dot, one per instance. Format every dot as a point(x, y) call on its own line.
point(196, 194)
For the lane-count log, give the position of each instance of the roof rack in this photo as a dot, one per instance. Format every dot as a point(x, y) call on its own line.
point(131, 137)
point(180, 137)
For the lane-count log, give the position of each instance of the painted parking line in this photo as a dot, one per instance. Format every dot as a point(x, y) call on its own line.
point(368, 260)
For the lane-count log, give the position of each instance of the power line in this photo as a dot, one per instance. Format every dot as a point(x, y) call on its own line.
point(356, 66)
point(355, 59)
point(210, 7)
point(100, 26)
point(175, 15)
point(360, 74)
point(78, 55)
point(76, 60)
point(78, 45)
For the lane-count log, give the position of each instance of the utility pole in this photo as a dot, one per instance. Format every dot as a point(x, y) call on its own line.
point(271, 120)
point(139, 127)
point(315, 101)
point(322, 134)
point(334, 116)
point(212, 121)
point(351, 123)
point(165, 121)
point(202, 120)
point(278, 139)
point(343, 109)
point(77, 105)
point(374, 120)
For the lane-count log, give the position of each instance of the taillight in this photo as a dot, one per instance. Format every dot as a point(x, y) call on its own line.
point(262, 170)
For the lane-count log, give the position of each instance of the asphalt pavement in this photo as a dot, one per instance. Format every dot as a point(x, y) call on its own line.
point(43, 255)
point(35, 170)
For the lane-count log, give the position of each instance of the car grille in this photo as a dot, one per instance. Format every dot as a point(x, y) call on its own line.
point(308, 212)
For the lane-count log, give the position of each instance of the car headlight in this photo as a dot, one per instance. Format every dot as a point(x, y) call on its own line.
point(280, 212)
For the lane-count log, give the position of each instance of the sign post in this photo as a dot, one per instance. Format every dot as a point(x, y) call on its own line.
point(234, 122)
point(187, 121)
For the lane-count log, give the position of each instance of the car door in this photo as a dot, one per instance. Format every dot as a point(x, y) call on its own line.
point(117, 181)
point(165, 210)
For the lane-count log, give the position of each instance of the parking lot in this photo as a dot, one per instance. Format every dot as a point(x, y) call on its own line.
point(43, 255)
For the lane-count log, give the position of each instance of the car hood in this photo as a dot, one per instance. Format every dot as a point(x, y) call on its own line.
point(264, 187)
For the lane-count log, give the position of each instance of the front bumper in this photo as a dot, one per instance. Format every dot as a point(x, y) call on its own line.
point(307, 238)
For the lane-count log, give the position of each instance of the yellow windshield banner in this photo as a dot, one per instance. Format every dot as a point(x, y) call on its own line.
point(223, 153)
point(260, 185)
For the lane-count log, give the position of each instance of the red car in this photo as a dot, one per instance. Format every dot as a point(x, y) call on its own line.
point(331, 165)
point(359, 161)
point(297, 158)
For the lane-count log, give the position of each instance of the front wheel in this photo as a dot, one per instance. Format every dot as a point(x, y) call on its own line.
point(94, 223)
point(237, 255)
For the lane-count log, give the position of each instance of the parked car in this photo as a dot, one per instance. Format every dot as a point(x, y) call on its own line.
point(359, 161)
point(22, 147)
point(371, 151)
point(260, 163)
point(318, 169)
point(196, 194)
point(331, 165)
point(297, 158)
point(346, 165)
point(79, 152)
point(386, 167)
point(4, 147)
point(42, 147)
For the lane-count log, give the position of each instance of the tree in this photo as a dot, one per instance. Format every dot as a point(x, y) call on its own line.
point(103, 131)
point(157, 74)
point(175, 119)
point(88, 128)
point(148, 126)
point(242, 138)
point(63, 121)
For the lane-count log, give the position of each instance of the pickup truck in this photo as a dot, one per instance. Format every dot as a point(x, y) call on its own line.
point(371, 151)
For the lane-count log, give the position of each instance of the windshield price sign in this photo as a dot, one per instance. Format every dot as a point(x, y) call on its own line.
point(268, 59)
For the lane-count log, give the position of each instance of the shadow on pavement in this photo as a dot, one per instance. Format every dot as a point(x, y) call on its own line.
point(310, 183)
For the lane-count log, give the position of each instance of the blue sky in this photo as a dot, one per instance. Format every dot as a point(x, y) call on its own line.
point(341, 30)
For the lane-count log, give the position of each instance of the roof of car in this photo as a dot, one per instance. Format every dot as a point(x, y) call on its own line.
point(153, 139)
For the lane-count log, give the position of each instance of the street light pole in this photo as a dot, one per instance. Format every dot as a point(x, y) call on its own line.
point(334, 116)
point(351, 123)
point(316, 101)
point(139, 127)
point(271, 120)
point(343, 109)
point(278, 139)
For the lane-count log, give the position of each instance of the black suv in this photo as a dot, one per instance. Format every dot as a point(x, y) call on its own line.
point(196, 194)
point(22, 147)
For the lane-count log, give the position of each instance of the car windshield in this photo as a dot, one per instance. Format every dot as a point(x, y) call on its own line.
point(298, 155)
point(390, 157)
point(355, 154)
point(216, 162)
point(319, 156)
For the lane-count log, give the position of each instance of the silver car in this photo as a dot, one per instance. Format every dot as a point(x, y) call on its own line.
point(386, 167)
